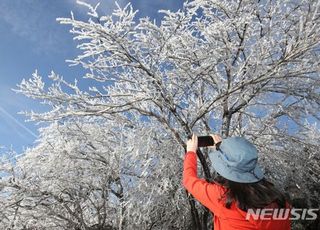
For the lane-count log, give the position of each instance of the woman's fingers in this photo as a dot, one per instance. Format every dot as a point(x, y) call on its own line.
point(195, 139)
point(216, 138)
point(192, 144)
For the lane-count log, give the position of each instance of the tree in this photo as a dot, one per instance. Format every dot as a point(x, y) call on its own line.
point(89, 175)
point(248, 68)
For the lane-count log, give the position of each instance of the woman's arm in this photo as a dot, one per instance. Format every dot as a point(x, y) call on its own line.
point(206, 193)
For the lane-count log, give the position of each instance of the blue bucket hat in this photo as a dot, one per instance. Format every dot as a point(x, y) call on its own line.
point(236, 160)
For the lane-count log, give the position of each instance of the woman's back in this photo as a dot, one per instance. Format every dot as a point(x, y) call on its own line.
point(213, 196)
point(240, 198)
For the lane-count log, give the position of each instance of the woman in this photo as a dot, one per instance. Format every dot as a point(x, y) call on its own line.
point(240, 197)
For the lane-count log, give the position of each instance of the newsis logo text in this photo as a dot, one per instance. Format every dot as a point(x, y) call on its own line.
point(282, 214)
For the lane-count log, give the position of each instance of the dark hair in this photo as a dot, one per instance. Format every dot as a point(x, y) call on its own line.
point(251, 195)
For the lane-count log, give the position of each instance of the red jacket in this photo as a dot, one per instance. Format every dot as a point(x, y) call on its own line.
point(209, 195)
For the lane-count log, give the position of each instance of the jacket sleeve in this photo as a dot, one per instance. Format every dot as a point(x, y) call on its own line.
point(208, 194)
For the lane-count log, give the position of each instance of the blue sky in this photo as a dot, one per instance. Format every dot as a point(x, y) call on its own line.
point(32, 39)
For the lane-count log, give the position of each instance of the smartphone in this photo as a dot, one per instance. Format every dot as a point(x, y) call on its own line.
point(204, 141)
